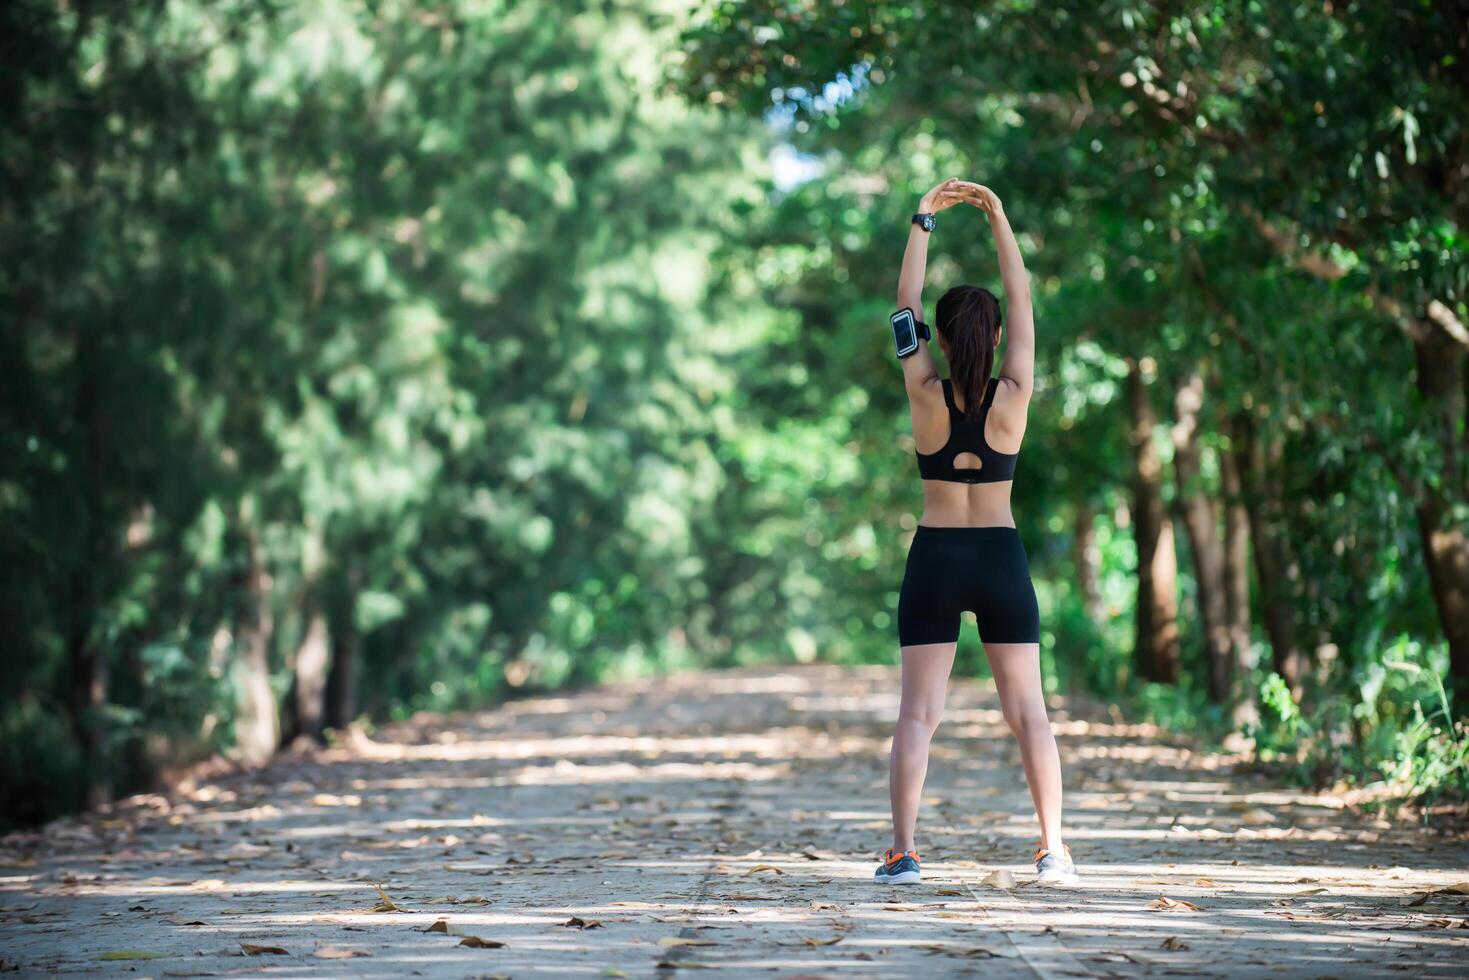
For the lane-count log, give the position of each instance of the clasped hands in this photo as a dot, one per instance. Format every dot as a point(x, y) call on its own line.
point(955, 191)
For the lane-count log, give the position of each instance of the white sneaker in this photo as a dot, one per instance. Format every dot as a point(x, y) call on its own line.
point(1055, 869)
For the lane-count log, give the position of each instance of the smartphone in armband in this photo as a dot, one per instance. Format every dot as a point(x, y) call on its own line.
point(907, 331)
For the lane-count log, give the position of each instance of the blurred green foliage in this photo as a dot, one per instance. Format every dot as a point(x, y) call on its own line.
point(369, 357)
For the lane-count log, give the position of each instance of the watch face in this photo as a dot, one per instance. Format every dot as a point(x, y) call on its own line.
point(926, 221)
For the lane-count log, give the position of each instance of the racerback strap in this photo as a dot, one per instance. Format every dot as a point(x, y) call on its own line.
point(989, 395)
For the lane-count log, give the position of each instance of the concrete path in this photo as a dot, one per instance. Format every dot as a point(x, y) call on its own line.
point(727, 822)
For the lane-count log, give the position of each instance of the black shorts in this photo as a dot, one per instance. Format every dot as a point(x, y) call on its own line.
point(981, 569)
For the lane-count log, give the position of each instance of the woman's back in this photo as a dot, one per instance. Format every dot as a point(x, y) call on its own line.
point(968, 464)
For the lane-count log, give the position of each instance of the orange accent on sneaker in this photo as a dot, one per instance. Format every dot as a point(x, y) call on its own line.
point(891, 856)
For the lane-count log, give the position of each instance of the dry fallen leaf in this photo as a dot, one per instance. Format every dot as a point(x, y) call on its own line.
point(948, 891)
point(972, 952)
point(1173, 942)
point(577, 922)
point(132, 954)
point(335, 953)
point(385, 904)
point(668, 941)
point(475, 942)
point(1308, 891)
point(1457, 888)
point(252, 950)
point(1206, 883)
point(1165, 904)
point(1000, 879)
point(765, 867)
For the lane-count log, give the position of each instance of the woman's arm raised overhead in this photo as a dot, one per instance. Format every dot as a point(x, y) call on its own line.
point(919, 372)
point(1018, 364)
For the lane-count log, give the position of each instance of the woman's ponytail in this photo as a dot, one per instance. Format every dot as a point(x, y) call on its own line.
point(969, 319)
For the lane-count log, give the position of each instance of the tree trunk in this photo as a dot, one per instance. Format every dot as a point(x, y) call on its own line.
point(1203, 531)
point(86, 654)
point(341, 681)
point(1156, 647)
point(1447, 551)
point(89, 683)
point(312, 658)
point(1086, 558)
point(1237, 584)
point(257, 726)
point(1443, 384)
point(1273, 568)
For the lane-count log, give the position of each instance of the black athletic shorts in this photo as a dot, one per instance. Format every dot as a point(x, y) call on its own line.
point(981, 569)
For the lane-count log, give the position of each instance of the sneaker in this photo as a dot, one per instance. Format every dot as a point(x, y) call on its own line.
point(1055, 869)
point(897, 869)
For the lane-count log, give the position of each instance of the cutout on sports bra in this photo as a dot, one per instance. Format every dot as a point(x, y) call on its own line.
point(967, 446)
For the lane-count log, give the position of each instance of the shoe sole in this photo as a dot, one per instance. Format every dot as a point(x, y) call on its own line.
point(906, 878)
point(1058, 878)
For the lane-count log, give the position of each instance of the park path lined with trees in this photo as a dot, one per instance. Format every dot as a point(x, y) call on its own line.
point(728, 822)
point(370, 358)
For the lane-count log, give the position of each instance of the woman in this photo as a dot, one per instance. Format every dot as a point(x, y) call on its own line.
point(966, 553)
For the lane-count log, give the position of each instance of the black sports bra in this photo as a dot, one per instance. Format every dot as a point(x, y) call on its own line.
point(966, 435)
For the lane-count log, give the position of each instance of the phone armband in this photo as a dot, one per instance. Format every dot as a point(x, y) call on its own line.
point(907, 331)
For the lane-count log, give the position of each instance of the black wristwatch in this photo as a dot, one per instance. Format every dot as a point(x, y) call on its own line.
point(925, 220)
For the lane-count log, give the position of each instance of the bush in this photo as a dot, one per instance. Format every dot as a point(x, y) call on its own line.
point(39, 764)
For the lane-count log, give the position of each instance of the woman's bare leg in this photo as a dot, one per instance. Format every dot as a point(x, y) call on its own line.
point(1017, 670)
point(925, 682)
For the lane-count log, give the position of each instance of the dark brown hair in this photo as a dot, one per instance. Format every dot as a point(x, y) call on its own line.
point(969, 319)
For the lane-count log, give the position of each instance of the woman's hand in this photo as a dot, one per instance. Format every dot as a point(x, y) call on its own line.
point(943, 196)
point(979, 196)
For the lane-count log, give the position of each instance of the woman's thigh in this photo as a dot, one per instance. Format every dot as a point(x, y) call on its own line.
point(926, 669)
point(1017, 670)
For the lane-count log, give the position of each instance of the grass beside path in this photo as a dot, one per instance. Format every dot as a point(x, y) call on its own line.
point(727, 822)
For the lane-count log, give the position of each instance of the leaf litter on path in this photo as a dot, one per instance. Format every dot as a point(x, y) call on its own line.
point(253, 950)
point(132, 954)
point(443, 927)
point(1165, 904)
point(1419, 898)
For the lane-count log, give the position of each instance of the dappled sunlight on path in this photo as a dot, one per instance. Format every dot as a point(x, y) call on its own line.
point(731, 822)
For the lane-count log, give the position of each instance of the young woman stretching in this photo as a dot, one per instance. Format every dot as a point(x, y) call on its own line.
point(966, 553)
